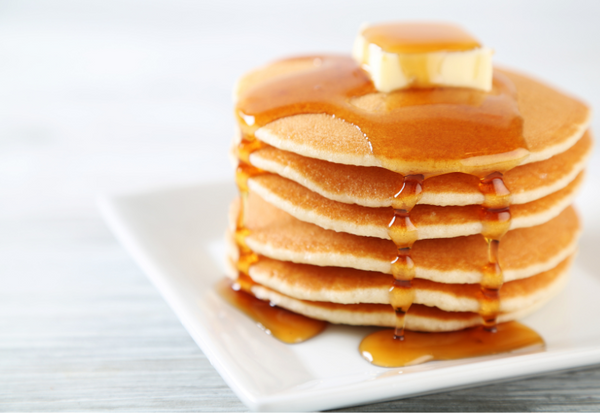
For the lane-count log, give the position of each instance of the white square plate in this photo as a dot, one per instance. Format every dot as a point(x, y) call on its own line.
point(176, 235)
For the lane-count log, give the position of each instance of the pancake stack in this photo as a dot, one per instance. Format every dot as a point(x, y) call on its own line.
point(311, 232)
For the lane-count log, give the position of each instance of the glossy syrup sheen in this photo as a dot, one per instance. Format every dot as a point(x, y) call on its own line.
point(418, 131)
point(282, 324)
point(247, 257)
point(381, 349)
point(404, 234)
point(419, 37)
point(496, 218)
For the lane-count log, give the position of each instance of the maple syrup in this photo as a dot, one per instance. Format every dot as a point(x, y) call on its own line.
point(282, 324)
point(437, 130)
point(495, 218)
point(416, 130)
point(245, 171)
point(404, 234)
point(381, 349)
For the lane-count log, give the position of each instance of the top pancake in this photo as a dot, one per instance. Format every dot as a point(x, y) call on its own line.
point(375, 187)
point(553, 122)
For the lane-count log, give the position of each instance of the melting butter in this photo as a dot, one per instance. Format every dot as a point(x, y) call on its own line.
point(403, 55)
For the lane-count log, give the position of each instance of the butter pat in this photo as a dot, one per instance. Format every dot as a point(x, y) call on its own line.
point(403, 55)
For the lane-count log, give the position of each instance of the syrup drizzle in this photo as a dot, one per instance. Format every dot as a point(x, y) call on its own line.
point(398, 348)
point(381, 349)
point(245, 171)
point(439, 130)
point(282, 324)
point(412, 130)
point(496, 218)
point(404, 234)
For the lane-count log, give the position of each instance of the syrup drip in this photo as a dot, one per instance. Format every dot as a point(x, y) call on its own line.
point(397, 348)
point(245, 171)
point(404, 234)
point(381, 349)
point(282, 324)
point(496, 218)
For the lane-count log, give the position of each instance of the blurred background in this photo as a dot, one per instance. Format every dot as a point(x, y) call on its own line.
point(115, 96)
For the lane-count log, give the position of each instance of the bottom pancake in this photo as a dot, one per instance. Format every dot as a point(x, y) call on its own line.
point(419, 317)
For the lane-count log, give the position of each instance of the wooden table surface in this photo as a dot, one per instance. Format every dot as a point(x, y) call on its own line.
point(117, 95)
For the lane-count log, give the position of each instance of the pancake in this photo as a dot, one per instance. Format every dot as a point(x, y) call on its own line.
point(553, 122)
point(426, 208)
point(375, 187)
point(419, 318)
point(430, 221)
point(524, 252)
point(351, 286)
